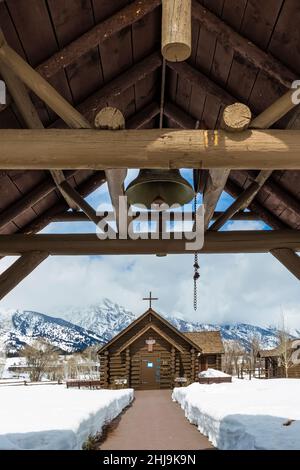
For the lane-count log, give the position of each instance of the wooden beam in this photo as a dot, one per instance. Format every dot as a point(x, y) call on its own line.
point(276, 111)
point(148, 148)
point(270, 219)
point(30, 116)
point(89, 244)
point(40, 86)
point(214, 187)
point(289, 259)
point(20, 269)
point(82, 217)
point(199, 80)
point(98, 35)
point(143, 117)
point(176, 30)
point(92, 105)
point(242, 47)
point(80, 201)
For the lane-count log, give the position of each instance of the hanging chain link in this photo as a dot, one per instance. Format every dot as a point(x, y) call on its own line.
point(196, 264)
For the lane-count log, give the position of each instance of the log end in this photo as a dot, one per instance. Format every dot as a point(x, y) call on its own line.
point(176, 51)
point(236, 117)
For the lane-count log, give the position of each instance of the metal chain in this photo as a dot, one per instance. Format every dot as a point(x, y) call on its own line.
point(196, 265)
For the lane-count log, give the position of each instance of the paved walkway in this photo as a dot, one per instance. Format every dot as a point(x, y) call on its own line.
point(154, 422)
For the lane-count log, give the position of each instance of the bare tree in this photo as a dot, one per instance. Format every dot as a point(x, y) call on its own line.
point(41, 359)
point(286, 352)
point(234, 352)
point(255, 346)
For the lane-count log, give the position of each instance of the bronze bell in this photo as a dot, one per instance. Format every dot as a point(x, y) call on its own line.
point(159, 186)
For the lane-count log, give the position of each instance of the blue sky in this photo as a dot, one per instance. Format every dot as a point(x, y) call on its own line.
point(250, 288)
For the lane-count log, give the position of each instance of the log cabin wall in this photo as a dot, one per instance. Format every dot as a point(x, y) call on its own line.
point(172, 359)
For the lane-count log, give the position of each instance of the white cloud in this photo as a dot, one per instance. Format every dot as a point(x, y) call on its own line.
point(244, 288)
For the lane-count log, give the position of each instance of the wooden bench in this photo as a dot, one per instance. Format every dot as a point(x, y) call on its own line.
point(91, 384)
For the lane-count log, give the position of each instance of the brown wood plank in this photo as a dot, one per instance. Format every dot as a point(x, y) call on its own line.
point(233, 12)
point(259, 20)
point(284, 44)
point(71, 20)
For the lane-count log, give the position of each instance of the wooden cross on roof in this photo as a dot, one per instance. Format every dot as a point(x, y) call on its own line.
point(150, 298)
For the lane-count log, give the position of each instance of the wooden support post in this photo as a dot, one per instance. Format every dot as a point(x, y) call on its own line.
point(40, 86)
point(252, 241)
point(236, 118)
point(289, 259)
point(10, 278)
point(176, 30)
point(173, 366)
point(148, 148)
point(112, 119)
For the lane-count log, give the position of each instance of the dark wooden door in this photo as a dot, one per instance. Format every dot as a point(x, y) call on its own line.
point(150, 372)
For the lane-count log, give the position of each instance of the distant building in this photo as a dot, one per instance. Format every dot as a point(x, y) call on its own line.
point(273, 360)
point(151, 353)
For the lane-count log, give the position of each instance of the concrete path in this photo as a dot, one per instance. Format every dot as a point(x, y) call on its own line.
point(154, 422)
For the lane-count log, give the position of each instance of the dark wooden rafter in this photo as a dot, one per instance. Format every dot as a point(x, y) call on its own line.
point(180, 117)
point(19, 270)
point(89, 244)
point(242, 47)
point(124, 18)
point(92, 105)
point(289, 259)
point(200, 80)
point(270, 219)
point(143, 117)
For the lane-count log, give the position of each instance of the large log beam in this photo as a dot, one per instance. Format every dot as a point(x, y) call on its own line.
point(89, 244)
point(242, 47)
point(97, 35)
point(30, 116)
point(82, 217)
point(148, 148)
point(13, 275)
point(35, 82)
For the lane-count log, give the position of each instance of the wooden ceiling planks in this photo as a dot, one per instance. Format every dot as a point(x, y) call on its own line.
point(148, 89)
point(70, 20)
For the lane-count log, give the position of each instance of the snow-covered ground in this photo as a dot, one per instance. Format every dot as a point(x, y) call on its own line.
point(245, 414)
point(56, 418)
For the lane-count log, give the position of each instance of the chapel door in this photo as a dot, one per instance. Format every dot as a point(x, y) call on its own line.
point(150, 372)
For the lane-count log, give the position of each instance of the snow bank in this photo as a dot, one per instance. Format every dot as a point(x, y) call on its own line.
point(245, 414)
point(56, 418)
point(212, 373)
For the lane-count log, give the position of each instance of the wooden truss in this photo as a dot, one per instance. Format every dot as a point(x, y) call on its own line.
point(242, 142)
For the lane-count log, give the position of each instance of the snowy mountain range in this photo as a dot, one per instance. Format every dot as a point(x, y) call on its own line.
point(74, 329)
